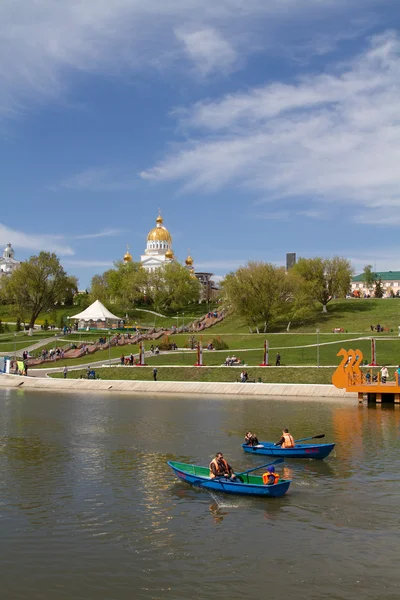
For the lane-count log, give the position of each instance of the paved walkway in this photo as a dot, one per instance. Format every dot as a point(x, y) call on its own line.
point(32, 347)
point(294, 391)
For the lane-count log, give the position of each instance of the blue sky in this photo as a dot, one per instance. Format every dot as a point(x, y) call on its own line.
point(259, 127)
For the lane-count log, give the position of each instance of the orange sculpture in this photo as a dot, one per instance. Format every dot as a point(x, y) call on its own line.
point(348, 372)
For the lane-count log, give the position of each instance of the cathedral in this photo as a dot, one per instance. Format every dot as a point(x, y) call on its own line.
point(159, 252)
point(8, 264)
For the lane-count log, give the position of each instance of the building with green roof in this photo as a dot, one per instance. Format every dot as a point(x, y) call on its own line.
point(390, 283)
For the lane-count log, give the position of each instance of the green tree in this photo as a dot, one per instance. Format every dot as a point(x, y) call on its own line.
point(368, 277)
point(322, 279)
point(172, 287)
point(378, 293)
point(70, 291)
point(37, 285)
point(260, 293)
point(125, 284)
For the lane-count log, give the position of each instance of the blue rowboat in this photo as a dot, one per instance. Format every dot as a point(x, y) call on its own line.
point(318, 451)
point(252, 485)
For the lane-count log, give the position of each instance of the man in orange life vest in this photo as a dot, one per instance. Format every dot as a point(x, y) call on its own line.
point(220, 468)
point(286, 440)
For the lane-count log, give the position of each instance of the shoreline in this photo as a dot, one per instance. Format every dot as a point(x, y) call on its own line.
point(302, 390)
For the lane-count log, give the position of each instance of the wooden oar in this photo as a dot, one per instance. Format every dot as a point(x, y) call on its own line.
point(276, 462)
point(314, 437)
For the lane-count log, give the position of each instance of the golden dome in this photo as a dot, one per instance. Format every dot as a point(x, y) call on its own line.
point(189, 261)
point(127, 255)
point(169, 254)
point(159, 233)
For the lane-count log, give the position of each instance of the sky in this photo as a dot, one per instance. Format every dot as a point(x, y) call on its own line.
point(257, 127)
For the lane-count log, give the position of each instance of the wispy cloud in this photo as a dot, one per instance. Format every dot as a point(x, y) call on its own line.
point(99, 179)
point(43, 43)
point(208, 50)
point(37, 243)
point(84, 264)
point(220, 264)
point(280, 215)
point(332, 137)
point(100, 234)
point(318, 215)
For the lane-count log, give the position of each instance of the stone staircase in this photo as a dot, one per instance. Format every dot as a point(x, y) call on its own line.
point(85, 349)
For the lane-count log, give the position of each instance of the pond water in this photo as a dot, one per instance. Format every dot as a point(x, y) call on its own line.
point(89, 508)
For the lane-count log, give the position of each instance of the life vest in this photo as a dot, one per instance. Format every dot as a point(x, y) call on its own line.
point(288, 441)
point(266, 477)
point(218, 467)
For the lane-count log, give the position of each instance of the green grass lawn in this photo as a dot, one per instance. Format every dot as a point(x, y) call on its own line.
point(141, 317)
point(275, 340)
point(388, 352)
point(228, 374)
point(352, 315)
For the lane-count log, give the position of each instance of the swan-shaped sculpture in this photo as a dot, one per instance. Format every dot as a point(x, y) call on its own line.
point(340, 376)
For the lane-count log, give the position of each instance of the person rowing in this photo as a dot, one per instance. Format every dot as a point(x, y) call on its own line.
point(220, 468)
point(286, 440)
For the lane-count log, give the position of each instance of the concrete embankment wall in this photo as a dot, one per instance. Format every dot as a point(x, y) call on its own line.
point(175, 387)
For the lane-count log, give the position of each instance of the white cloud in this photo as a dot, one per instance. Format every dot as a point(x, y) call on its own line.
point(102, 179)
point(220, 264)
point(37, 243)
point(100, 234)
point(381, 259)
point(42, 42)
point(332, 137)
point(84, 264)
point(280, 215)
point(208, 50)
point(318, 215)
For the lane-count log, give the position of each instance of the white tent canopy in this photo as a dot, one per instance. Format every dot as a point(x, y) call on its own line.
point(96, 312)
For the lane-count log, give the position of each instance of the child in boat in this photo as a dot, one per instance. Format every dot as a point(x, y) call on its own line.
point(270, 477)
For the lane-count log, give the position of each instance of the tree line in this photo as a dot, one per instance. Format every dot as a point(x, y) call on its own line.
point(260, 293)
point(41, 283)
point(264, 295)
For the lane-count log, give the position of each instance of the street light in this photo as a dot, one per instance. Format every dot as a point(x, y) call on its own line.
point(318, 348)
point(109, 349)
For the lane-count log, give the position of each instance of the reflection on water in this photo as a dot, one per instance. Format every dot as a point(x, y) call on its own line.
point(89, 507)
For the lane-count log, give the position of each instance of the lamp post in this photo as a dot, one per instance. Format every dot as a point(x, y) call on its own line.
point(109, 349)
point(15, 346)
point(318, 348)
point(183, 320)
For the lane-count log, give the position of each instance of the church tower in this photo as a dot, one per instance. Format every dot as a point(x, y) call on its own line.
point(159, 247)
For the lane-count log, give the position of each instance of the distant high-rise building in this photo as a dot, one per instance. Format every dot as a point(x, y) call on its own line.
point(290, 260)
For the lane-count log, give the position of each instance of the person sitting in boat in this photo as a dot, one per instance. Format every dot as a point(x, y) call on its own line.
point(220, 468)
point(286, 440)
point(248, 437)
point(251, 439)
point(270, 477)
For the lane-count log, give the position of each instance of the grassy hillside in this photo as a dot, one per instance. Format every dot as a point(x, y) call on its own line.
point(352, 315)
